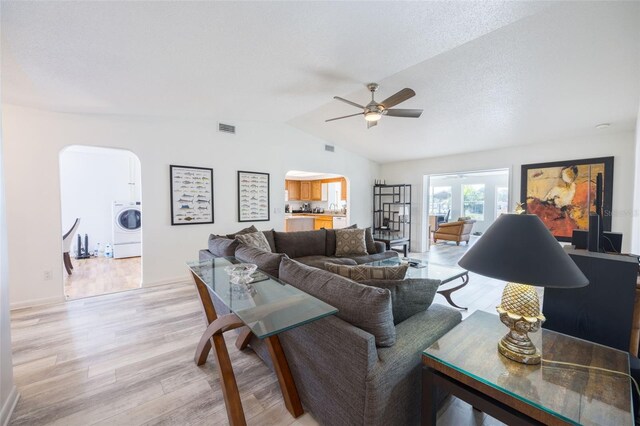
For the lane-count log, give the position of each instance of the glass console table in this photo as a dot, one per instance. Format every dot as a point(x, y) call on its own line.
point(444, 274)
point(262, 308)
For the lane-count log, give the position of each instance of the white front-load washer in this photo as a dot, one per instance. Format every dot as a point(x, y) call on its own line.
point(127, 229)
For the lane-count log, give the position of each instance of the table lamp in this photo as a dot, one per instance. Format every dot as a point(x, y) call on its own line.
point(519, 248)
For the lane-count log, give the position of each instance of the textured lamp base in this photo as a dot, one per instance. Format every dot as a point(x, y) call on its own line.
point(520, 311)
point(516, 345)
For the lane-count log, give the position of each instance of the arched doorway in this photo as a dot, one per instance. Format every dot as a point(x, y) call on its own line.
point(101, 210)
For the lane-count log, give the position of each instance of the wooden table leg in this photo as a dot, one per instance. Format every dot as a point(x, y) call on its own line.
point(244, 338)
point(429, 403)
point(447, 293)
point(232, 401)
point(287, 385)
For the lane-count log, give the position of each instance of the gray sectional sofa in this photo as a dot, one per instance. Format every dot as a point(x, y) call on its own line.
point(357, 367)
point(313, 248)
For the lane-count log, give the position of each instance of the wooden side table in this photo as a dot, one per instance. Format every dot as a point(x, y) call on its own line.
point(466, 363)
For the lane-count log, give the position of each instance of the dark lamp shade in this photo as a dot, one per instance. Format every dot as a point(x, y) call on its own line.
point(519, 248)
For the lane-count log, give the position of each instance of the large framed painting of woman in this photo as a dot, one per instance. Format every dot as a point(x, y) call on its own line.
point(562, 193)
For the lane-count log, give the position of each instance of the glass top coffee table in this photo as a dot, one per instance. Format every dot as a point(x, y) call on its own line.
point(262, 308)
point(442, 273)
point(563, 389)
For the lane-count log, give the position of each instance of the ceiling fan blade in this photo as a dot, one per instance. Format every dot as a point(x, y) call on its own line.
point(348, 102)
point(344, 116)
point(401, 96)
point(398, 112)
point(370, 124)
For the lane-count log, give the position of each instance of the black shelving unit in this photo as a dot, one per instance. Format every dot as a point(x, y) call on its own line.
point(392, 210)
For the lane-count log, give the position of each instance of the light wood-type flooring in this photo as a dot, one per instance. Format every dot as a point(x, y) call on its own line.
point(102, 275)
point(127, 359)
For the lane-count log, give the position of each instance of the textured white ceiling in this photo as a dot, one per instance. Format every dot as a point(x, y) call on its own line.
point(486, 73)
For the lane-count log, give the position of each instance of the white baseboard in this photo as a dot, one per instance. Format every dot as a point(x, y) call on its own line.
point(9, 406)
point(37, 302)
point(175, 280)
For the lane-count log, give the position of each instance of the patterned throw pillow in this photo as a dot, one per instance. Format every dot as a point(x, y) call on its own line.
point(350, 242)
point(255, 239)
point(367, 273)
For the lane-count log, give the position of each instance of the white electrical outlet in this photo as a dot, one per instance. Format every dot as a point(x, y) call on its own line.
point(48, 275)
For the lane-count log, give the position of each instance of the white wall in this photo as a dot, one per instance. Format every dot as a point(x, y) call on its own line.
point(618, 145)
point(8, 391)
point(91, 179)
point(490, 183)
point(34, 139)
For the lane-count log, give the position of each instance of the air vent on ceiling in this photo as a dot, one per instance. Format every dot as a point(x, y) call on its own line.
point(329, 148)
point(226, 128)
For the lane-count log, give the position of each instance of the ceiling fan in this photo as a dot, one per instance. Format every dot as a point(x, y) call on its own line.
point(373, 111)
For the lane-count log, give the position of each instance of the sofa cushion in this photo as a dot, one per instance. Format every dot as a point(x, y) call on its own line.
point(374, 257)
point(331, 240)
point(221, 246)
point(366, 272)
point(267, 262)
point(350, 242)
point(366, 307)
point(243, 231)
point(369, 241)
point(269, 236)
point(408, 296)
point(320, 261)
point(302, 243)
point(254, 239)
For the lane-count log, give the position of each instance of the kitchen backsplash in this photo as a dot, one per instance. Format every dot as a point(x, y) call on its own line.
point(297, 205)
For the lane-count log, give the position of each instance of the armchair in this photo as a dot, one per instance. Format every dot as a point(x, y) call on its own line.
point(457, 231)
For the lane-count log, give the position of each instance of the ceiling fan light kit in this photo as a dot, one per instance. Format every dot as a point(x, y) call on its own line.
point(374, 111)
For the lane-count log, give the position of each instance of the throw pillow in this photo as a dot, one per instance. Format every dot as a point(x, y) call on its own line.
point(365, 307)
point(267, 262)
point(255, 239)
point(409, 296)
point(222, 246)
point(243, 231)
point(365, 272)
point(350, 242)
point(330, 248)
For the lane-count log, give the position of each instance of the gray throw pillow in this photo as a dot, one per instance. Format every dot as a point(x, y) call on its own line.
point(368, 308)
point(409, 296)
point(350, 242)
point(267, 262)
point(222, 246)
point(361, 273)
point(243, 231)
point(255, 239)
point(330, 247)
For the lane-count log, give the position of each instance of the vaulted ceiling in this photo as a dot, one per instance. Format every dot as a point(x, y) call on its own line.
point(487, 74)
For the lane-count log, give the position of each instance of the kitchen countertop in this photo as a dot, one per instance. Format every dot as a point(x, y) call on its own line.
point(294, 215)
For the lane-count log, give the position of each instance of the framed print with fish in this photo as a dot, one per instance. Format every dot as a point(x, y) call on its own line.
point(562, 193)
point(253, 196)
point(191, 195)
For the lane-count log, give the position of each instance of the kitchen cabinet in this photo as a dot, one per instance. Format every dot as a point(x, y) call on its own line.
point(305, 190)
point(325, 222)
point(293, 186)
point(343, 194)
point(316, 190)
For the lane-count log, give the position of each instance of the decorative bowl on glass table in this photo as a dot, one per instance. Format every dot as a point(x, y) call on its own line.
point(240, 273)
